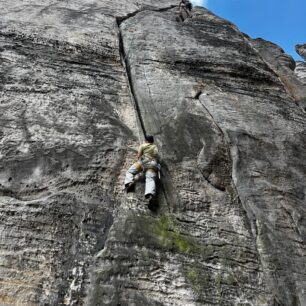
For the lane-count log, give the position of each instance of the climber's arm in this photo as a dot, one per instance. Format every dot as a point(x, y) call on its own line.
point(140, 152)
point(138, 156)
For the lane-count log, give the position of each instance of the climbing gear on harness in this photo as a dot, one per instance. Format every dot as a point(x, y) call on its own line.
point(147, 163)
point(138, 166)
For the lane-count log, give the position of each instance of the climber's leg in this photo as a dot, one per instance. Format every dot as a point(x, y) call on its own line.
point(130, 174)
point(150, 183)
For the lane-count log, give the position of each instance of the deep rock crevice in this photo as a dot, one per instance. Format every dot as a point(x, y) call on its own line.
point(125, 64)
point(166, 185)
point(234, 171)
point(251, 222)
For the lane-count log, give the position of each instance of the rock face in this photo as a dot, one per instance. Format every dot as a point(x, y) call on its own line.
point(284, 66)
point(81, 83)
point(301, 50)
point(300, 69)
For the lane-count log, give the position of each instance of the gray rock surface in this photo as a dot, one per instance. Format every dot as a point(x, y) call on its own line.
point(284, 66)
point(80, 84)
point(300, 69)
point(301, 50)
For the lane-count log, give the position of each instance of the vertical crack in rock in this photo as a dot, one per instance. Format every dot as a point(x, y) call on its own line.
point(250, 217)
point(124, 57)
point(197, 96)
point(59, 170)
point(294, 223)
point(72, 241)
point(126, 65)
point(251, 221)
point(127, 68)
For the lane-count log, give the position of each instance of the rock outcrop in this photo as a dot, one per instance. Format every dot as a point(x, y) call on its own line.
point(81, 83)
point(284, 66)
point(300, 69)
point(301, 50)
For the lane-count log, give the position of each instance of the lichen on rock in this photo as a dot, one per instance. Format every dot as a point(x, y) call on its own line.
point(81, 83)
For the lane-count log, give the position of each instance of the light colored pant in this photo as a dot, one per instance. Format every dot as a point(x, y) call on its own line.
point(150, 169)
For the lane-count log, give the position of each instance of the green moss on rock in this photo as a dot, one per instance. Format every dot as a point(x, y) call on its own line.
point(198, 281)
point(170, 237)
point(165, 232)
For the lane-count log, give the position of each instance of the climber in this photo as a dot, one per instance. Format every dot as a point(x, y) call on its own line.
point(147, 161)
point(185, 5)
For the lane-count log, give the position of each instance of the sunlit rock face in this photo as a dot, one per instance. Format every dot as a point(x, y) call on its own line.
point(301, 50)
point(81, 83)
point(300, 69)
point(284, 66)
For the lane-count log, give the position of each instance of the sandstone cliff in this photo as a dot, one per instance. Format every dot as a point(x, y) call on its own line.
point(300, 69)
point(81, 82)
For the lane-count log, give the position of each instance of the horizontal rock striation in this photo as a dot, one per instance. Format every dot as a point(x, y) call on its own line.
point(215, 93)
point(300, 71)
point(66, 122)
point(81, 83)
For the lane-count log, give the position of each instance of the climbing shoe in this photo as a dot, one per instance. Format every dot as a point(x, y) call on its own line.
point(152, 202)
point(149, 197)
point(130, 187)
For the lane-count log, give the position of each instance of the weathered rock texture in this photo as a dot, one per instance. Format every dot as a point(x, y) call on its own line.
point(81, 82)
point(283, 65)
point(300, 69)
point(301, 50)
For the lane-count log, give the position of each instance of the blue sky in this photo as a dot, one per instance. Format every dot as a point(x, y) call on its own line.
point(280, 21)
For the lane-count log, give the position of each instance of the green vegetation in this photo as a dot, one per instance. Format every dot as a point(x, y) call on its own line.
point(165, 232)
point(198, 281)
point(170, 237)
point(201, 282)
